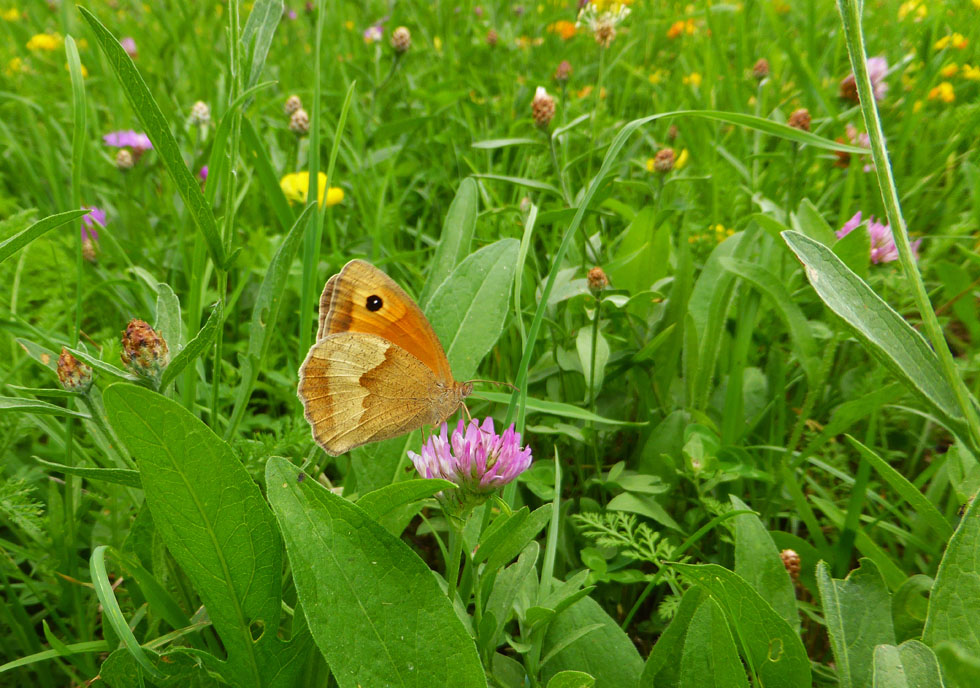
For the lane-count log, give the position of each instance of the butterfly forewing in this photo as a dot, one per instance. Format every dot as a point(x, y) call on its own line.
point(358, 388)
point(361, 298)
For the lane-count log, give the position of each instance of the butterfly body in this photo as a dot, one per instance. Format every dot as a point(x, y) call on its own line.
point(377, 369)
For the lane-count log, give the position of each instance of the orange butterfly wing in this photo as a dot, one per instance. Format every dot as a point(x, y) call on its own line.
point(362, 298)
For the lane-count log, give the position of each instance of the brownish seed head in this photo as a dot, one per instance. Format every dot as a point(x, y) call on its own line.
point(542, 108)
point(144, 351)
point(597, 279)
point(604, 33)
point(492, 38)
point(672, 132)
point(663, 161)
point(401, 39)
point(74, 375)
point(761, 69)
point(800, 119)
point(299, 123)
point(89, 250)
point(293, 103)
point(124, 159)
point(791, 560)
point(563, 71)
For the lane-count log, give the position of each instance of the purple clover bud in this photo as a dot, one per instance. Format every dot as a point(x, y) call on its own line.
point(475, 458)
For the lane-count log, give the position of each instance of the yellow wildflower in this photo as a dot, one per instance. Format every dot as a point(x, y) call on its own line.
point(437, 44)
point(349, 24)
point(914, 8)
point(611, 5)
point(657, 76)
point(44, 41)
point(650, 164)
point(295, 186)
point(956, 40)
point(943, 92)
point(11, 15)
point(917, 106)
point(15, 65)
point(971, 73)
point(563, 28)
point(976, 3)
point(694, 79)
point(682, 159)
point(681, 27)
point(949, 70)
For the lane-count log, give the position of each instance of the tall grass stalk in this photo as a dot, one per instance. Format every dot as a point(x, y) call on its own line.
point(850, 12)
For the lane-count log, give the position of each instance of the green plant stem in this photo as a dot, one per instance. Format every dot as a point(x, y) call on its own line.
point(561, 177)
point(850, 11)
point(592, 393)
point(595, 106)
point(452, 563)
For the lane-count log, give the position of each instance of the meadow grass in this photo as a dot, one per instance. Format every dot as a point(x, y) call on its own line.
point(728, 400)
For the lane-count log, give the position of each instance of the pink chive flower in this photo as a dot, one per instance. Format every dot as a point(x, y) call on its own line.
point(883, 249)
point(128, 139)
point(129, 45)
point(94, 218)
point(475, 457)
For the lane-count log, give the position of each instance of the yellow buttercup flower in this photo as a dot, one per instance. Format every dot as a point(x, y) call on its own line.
point(15, 65)
point(916, 8)
point(657, 76)
point(682, 160)
point(949, 70)
point(44, 41)
point(694, 79)
point(956, 40)
point(11, 15)
point(650, 164)
point(971, 73)
point(943, 92)
point(295, 187)
point(349, 25)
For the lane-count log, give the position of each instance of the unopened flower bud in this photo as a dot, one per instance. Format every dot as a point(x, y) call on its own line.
point(401, 39)
point(74, 375)
point(144, 351)
point(672, 132)
point(664, 160)
point(299, 123)
point(293, 103)
point(200, 114)
point(88, 250)
point(849, 89)
point(597, 279)
point(492, 38)
point(124, 159)
point(542, 108)
point(761, 69)
point(800, 119)
point(563, 71)
point(791, 560)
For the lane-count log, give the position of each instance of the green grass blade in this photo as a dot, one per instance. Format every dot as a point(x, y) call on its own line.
point(18, 241)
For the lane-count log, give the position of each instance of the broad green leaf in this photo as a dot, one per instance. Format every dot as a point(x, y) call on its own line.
point(505, 589)
point(18, 241)
point(454, 242)
point(35, 406)
point(923, 508)
point(257, 36)
point(378, 503)
point(168, 317)
point(216, 525)
point(606, 653)
point(960, 667)
point(119, 476)
point(375, 609)
point(709, 656)
point(158, 129)
point(571, 679)
point(583, 345)
point(553, 408)
point(910, 665)
point(900, 347)
point(810, 222)
point(644, 505)
point(179, 668)
point(796, 322)
point(854, 249)
point(773, 650)
point(954, 607)
point(910, 604)
point(662, 668)
point(642, 255)
point(197, 346)
point(380, 463)
point(858, 613)
point(757, 561)
point(512, 538)
point(469, 308)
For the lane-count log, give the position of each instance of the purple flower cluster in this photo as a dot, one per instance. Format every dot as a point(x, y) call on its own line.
point(128, 139)
point(475, 457)
point(95, 217)
point(883, 249)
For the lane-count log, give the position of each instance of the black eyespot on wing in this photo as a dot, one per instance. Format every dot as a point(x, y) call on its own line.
point(374, 303)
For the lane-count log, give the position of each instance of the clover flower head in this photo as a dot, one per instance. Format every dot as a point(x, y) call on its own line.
point(474, 457)
point(883, 249)
point(602, 17)
point(138, 141)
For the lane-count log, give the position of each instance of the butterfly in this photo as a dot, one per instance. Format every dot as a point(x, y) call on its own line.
point(377, 369)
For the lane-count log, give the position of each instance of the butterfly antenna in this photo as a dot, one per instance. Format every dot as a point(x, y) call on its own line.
point(497, 382)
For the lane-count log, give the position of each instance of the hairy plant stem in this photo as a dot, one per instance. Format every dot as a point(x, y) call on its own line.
point(850, 11)
point(452, 563)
